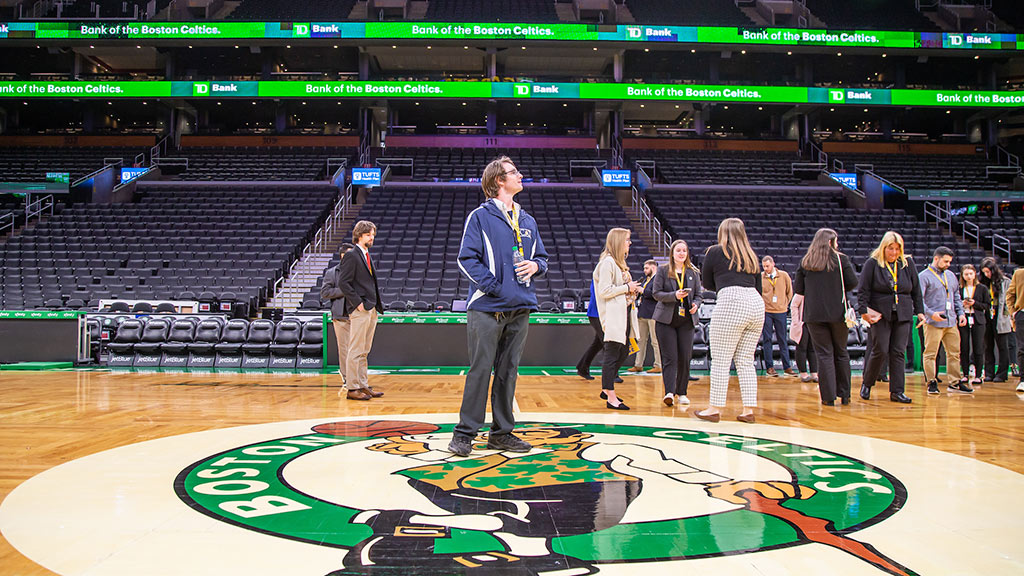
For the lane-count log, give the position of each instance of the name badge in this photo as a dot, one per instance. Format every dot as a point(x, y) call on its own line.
point(775, 299)
point(970, 320)
point(949, 306)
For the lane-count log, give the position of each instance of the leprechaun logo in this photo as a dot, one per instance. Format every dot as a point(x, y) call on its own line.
point(569, 506)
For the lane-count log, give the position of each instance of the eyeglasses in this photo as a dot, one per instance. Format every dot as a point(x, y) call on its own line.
point(514, 171)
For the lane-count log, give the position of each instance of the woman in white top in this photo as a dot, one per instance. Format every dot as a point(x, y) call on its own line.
point(616, 291)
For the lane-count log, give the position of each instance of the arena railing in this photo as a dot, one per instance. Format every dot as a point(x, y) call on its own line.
point(971, 231)
point(649, 222)
point(392, 161)
point(321, 240)
point(338, 174)
point(36, 208)
point(160, 148)
point(1010, 158)
point(938, 213)
point(6, 222)
point(1001, 244)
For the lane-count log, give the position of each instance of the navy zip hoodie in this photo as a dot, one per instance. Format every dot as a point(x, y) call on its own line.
point(485, 257)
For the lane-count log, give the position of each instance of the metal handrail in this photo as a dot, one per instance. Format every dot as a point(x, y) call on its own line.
point(113, 162)
point(884, 180)
point(990, 170)
point(838, 165)
point(972, 230)
point(4, 224)
point(644, 164)
point(649, 222)
point(997, 248)
point(342, 165)
point(87, 176)
point(323, 236)
point(940, 214)
point(170, 162)
point(1011, 158)
point(817, 154)
point(37, 207)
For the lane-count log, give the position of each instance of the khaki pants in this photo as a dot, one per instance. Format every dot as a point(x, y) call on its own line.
point(341, 329)
point(360, 338)
point(647, 331)
point(950, 340)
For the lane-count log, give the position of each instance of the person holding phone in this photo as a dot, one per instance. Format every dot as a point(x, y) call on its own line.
point(677, 290)
point(616, 291)
point(944, 312)
point(888, 298)
point(977, 303)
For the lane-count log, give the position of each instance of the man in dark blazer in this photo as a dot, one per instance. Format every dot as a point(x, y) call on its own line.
point(358, 282)
point(331, 293)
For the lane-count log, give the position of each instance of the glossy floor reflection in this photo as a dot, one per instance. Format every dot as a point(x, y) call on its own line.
point(275, 474)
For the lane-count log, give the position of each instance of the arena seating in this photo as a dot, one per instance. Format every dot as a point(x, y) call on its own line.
point(928, 172)
point(781, 223)
point(448, 164)
point(689, 12)
point(864, 15)
point(175, 243)
point(720, 167)
point(417, 248)
point(208, 342)
point(289, 11)
point(491, 11)
point(1007, 225)
point(107, 9)
point(30, 164)
point(284, 164)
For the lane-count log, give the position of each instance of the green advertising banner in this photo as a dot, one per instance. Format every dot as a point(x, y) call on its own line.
point(569, 32)
point(515, 90)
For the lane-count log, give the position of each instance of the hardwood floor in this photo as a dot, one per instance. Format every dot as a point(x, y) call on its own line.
point(49, 418)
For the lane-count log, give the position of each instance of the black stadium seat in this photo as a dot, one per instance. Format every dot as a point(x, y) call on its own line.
point(147, 350)
point(122, 346)
point(174, 352)
point(229, 349)
point(201, 349)
point(286, 342)
point(256, 349)
point(311, 346)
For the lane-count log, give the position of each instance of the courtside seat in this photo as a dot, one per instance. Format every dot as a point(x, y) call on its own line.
point(95, 337)
point(207, 302)
point(129, 333)
point(286, 343)
point(174, 352)
point(256, 349)
point(311, 345)
point(229, 349)
point(700, 360)
point(855, 345)
point(201, 348)
point(154, 334)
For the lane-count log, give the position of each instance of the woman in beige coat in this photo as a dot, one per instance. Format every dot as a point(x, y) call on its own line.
point(615, 291)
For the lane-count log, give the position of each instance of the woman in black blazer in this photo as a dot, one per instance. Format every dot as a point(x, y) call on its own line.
point(888, 298)
point(822, 275)
point(678, 292)
point(977, 303)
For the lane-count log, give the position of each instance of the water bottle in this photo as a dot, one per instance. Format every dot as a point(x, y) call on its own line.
point(517, 258)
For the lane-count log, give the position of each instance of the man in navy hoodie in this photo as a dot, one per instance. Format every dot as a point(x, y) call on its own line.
point(501, 253)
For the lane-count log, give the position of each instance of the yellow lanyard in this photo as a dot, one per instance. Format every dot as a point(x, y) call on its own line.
point(772, 280)
point(513, 221)
point(941, 278)
point(681, 281)
point(644, 289)
point(895, 282)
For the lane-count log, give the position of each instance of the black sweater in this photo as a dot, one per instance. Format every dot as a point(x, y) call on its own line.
point(716, 274)
point(875, 291)
point(823, 291)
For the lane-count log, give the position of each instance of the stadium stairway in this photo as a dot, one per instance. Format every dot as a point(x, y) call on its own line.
point(307, 271)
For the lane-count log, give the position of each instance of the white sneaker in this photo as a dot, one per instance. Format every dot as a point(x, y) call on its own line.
point(1020, 387)
point(683, 399)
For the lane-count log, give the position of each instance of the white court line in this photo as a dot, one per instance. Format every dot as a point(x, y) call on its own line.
point(462, 372)
point(545, 372)
point(515, 406)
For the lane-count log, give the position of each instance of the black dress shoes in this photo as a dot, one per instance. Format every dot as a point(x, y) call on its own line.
point(900, 397)
point(583, 374)
point(603, 395)
point(620, 406)
point(846, 401)
point(865, 392)
point(828, 402)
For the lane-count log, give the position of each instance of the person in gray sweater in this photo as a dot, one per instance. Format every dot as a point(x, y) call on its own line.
point(944, 312)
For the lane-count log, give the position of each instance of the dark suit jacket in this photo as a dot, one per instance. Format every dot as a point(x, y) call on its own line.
point(665, 293)
point(358, 283)
point(646, 302)
point(875, 290)
point(982, 304)
point(329, 290)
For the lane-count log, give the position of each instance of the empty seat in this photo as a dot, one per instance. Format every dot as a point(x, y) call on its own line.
point(256, 349)
point(201, 348)
point(311, 345)
point(285, 345)
point(229, 349)
point(129, 333)
point(174, 352)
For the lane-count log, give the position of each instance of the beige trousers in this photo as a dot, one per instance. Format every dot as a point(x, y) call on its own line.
point(950, 340)
point(341, 329)
point(646, 326)
point(360, 338)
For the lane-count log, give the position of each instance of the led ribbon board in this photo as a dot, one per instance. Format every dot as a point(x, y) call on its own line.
point(515, 90)
point(120, 30)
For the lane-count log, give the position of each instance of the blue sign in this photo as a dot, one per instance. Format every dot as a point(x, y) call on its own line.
point(129, 174)
point(366, 176)
point(616, 178)
point(846, 179)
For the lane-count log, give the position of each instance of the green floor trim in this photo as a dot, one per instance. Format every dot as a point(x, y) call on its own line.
point(38, 366)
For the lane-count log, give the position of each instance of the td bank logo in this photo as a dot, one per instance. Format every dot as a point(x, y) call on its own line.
point(836, 96)
point(300, 30)
point(521, 90)
point(200, 88)
point(634, 32)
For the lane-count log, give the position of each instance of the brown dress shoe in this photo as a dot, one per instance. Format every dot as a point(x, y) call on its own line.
point(749, 418)
point(790, 372)
point(635, 369)
point(771, 372)
point(358, 394)
point(655, 370)
point(373, 392)
point(709, 417)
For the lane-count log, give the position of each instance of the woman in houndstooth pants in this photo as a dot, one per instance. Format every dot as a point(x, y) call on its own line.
point(731, 269)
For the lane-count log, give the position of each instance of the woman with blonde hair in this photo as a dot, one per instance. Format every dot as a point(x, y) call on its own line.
point(732, 270)
point(824, 276)
point(615, 291)
point(678, 292)
point(888, 298)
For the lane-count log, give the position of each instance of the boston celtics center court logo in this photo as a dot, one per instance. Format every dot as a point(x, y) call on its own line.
point(569, 506)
